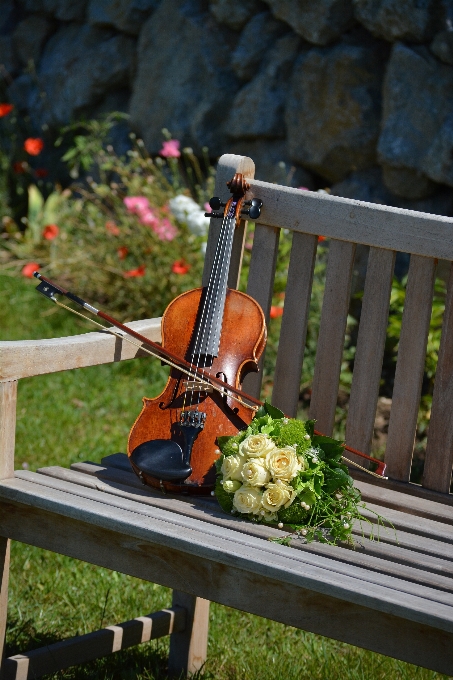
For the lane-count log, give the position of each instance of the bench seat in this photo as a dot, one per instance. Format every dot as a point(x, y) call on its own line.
point(394, 596)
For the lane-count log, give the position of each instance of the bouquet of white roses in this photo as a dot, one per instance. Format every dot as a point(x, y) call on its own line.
point(279, 471)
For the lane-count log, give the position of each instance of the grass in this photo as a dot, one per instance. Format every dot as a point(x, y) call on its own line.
point(86, 414)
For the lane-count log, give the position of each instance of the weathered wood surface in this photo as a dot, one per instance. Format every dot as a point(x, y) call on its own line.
point(346, 219)
point(390, 557)
point(8, 403)
point(189, 646)
point(83, 648)
point(301, 590)
point(260, 286)
point(288, 367)
point(370, 351)
point(25, 358)
point(410, 367)
point(4, 577)
point(329, 350)
point(439, 450)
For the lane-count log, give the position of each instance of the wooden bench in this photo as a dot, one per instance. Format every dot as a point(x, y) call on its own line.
point(394, 596)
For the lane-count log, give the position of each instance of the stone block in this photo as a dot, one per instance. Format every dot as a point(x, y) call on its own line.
point(8, 60)
point(367, 185)
point(319, 22)
point(80, 64)
point(125, 15)
point(411, 20)
point(417, 110)
point(407, 183)
point(184, 81)
point(235, 15)
point(257, 37)
point(442, 46)
point(258, 109)
point(64, 10)
point(30, 36)
point(333, 109)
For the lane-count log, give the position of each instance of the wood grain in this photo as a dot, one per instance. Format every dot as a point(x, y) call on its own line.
point(189, 647)
point(8, 405)
point(439, 450)
point(346, 219)
point(227, 166)
point(25, 358)
point(370, 350)
point(287, 598)
point(291, 346)
point(83, 648)
point(260, 286)
point(410, 367)
point(329, 351)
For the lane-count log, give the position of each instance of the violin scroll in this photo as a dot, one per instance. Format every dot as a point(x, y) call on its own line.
point(238, 187)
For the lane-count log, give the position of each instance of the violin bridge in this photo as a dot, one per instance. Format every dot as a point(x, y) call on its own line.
point(196, 386)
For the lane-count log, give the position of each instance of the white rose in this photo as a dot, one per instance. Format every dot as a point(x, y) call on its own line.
point(256, 445)
point(232, 466)
point(231, 485)
point(276, 496)
point(283, 463)
point(255, 474)
point(247, 499)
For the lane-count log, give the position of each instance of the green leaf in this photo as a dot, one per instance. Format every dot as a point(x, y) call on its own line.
point(335, 479)
point(222, 441)
point(310, 427)
point(273, 411)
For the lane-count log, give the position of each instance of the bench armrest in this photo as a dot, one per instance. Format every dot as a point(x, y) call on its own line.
point(26, 358)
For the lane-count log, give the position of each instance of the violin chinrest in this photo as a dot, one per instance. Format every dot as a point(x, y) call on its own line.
point(162, 459)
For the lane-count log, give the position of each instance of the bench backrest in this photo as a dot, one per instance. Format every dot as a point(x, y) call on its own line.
point(385, 230)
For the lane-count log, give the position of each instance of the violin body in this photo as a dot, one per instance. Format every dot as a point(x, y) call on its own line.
point(242, 341)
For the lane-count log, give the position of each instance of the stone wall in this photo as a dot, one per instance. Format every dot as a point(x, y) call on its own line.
point(352, 94)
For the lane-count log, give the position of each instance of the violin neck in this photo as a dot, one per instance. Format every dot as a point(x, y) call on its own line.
point(207, 337)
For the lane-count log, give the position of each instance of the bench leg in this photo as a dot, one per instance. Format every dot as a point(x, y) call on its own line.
point(4, 574)
point(188, 649)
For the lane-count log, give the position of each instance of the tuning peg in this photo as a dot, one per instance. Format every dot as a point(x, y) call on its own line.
point(213, 214)
point(216, 203)
point(256, 202)
point(255, 208)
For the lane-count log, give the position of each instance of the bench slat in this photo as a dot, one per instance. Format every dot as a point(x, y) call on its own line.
point(329, 351)
point(211, 541)
point(312, 598)
point(26, 358)
point(291, 346)
point(260, 286)
point(370, 350)
point(346, 219)
point(439, 450)
point(410, 367)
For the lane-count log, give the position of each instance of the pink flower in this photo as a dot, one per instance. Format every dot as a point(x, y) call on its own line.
point(132, 273)
point(207, 207)
point(170, 149)
point(304, 188)
point(148, 217)
point(136, 204)
point(29, 268)
point(165, 230)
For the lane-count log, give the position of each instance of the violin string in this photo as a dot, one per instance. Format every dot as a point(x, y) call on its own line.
point(123, 336)
point(218, 284)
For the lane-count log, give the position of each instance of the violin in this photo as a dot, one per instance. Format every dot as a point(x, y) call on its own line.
point(172, 444)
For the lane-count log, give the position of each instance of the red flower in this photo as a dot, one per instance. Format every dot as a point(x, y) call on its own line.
point(321, 239)
point(122, 252)
point(40, 173)
point(50, 232)
point(276, 312)
point(34, 146)
point(140, 271)
point(29, 268)
point(5, 109)
point(180, 267)
point(20, 167)
point(111, 227)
